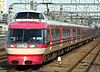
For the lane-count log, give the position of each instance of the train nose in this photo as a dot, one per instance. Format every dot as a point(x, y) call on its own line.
point(28, 62)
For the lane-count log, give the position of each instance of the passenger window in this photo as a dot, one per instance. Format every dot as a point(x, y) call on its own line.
point(48, 35)
point(55, 34)
point(78, 32)
point(74, 32)
point(66, 33)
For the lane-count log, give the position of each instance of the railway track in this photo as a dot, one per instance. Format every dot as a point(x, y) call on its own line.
point(2, 49)
point(3, 57)
point(2, 54)
point(80, 60)
point(90, 64)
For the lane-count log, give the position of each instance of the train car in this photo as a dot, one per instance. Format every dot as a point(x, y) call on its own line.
point(33, 39)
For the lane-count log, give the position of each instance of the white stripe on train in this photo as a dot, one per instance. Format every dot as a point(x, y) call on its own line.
point(25, 51)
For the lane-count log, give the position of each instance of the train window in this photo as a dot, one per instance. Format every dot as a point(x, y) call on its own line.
point(74, 32)
point(25, 35)
point(48, 35)
point(83, 33)
point(55, 34)
point(78, 31)
point(66, 33)
point(29, 15)
point(86, 34)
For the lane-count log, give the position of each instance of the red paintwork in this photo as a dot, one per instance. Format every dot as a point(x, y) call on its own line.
point(6, 45)
point(61, 34)
point(41, 45)
point(28, 45)
point(35, 58)
point(28, 25)
point(14, 45)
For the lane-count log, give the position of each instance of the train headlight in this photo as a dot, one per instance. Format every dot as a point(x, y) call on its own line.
point(10, 45)
point(32, 46)
point(22, 45)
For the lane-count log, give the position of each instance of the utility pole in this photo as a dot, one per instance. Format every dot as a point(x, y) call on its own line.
point(9, 13)
point(31, 4)
point(46, 2)
point(61, 12)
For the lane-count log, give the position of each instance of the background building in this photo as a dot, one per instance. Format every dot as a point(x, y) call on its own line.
point(3, 18)
point(1, 5)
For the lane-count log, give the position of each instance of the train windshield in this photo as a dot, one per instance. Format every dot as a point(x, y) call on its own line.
point(25, 36)
point(29, 15)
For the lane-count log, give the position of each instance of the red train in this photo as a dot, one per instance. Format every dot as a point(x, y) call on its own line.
point(33, 39)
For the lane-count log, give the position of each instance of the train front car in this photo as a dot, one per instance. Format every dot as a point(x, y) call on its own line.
point(26, 39)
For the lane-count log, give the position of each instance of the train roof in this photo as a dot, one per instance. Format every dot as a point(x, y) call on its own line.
point(58, 23)
point(66, 24)
point(45, 18)
point(30, 11)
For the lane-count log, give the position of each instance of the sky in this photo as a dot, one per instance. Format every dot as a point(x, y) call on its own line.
point(67, 1)
point(55, 1)
point(9, 2)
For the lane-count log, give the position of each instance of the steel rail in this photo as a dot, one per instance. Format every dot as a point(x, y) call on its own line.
point(90, 64)
point(3, 57)
point(2, 49)
point(12, 70)
point(74, 66)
